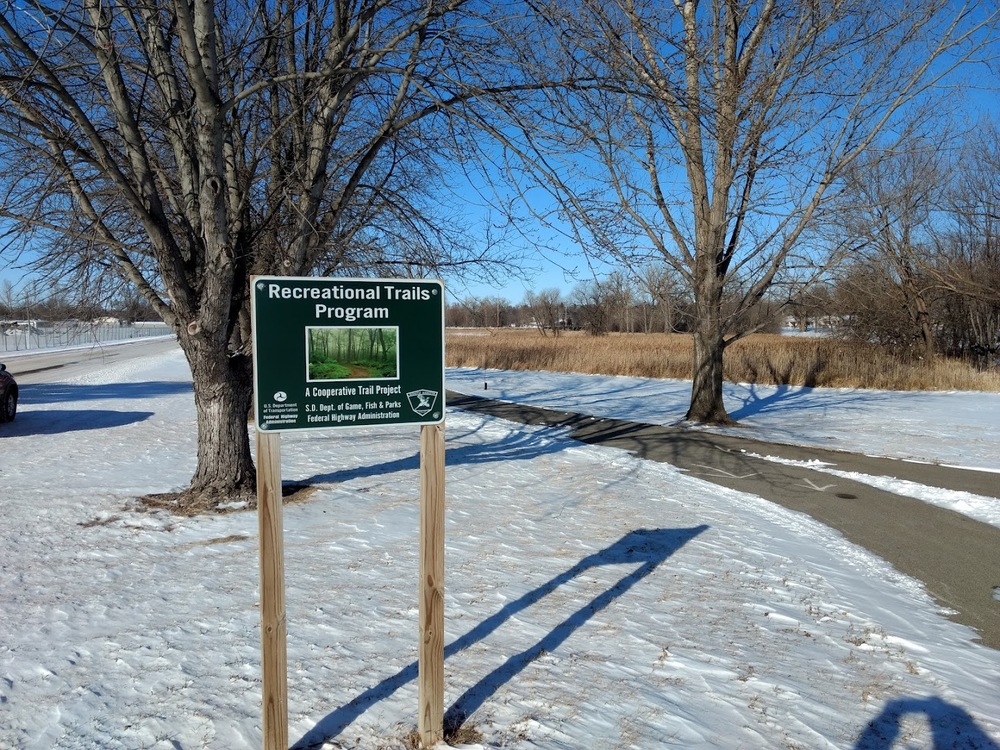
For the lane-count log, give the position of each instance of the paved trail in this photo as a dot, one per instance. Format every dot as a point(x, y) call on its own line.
point(956, 557)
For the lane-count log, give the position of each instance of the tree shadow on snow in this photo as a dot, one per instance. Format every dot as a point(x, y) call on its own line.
point(757, 399)
point(59, 421)
point(647, 548)
point(517, 445)
point(952, 728)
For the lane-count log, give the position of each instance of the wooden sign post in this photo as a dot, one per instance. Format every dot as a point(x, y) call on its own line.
point(430, 660)
point(274, 651)
point(331, 353)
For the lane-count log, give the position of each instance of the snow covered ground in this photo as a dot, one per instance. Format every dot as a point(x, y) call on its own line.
point(594, 600)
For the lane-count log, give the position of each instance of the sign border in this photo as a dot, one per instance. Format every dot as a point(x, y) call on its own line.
point(332, 280)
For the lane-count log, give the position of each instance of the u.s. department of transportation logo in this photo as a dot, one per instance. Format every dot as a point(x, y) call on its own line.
point(422, 401)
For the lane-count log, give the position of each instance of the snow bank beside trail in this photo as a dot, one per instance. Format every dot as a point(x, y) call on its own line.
point(979, 507)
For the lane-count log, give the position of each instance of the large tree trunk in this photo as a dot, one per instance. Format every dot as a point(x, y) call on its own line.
point(223, 392)
point(709, 345)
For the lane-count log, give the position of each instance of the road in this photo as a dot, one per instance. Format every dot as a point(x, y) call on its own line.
point(55, 365)
point(956, 557)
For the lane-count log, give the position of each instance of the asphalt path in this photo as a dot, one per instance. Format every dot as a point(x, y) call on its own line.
point(957, 558)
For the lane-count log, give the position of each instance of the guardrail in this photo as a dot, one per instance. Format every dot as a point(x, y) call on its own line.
point(21, 337)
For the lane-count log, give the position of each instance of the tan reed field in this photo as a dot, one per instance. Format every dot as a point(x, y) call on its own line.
point(761, 358)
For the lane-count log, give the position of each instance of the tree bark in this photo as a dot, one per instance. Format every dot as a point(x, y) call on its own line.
point(919, 314)
point(223, 393)
point(707, 404)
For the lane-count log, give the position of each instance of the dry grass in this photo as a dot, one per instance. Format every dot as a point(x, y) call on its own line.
point(763, 358)
point(460, 735)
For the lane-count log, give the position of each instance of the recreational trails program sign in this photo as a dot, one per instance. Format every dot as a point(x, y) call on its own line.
point(347, 352)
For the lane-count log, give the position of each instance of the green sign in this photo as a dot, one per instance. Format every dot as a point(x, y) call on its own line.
point(347, 352)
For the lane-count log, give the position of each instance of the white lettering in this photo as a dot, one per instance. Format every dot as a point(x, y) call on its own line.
point(351, 314)
point(279, 291)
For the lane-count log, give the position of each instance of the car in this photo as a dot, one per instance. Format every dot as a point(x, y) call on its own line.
point(8, 395)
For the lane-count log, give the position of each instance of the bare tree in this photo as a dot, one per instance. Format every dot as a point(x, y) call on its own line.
point(620, 290)
point(485, 312)
point(926, 275)
point(184, 146)
point(967, 264)
point(664, 288)
point(713, 134)
point(810, 302)
point(7, 297)
point(546, 308)
point(592, 304)
point(497, 312)
point(890, 205)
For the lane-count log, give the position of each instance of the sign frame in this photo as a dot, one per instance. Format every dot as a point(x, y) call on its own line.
point(297, 320)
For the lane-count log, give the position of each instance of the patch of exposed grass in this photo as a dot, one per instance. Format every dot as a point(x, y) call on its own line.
point(460, 735)
point(99, 522)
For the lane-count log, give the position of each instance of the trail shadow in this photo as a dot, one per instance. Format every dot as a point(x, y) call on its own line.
point(685, 448)
point(952, 728)
point(646, 547)
point(515, 412)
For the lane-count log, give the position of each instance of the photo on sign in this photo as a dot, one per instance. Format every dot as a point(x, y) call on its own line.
point(352, 353)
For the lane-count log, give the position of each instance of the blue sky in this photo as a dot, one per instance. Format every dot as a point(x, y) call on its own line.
point(539, 270)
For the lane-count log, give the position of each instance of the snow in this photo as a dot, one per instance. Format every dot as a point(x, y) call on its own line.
point(593, 599)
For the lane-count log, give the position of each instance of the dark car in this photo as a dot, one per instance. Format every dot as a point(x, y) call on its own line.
point(8, 395)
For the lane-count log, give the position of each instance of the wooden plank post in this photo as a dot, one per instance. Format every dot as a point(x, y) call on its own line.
point(430, 661)
point(274, 653)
